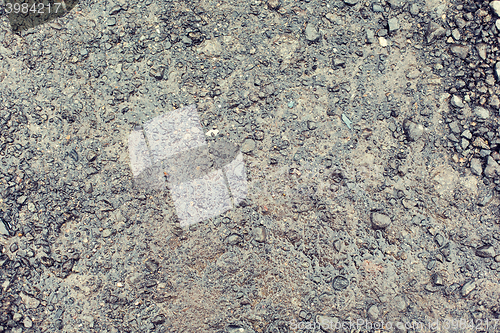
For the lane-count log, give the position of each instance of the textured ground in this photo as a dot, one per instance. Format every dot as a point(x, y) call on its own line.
point(370, 139)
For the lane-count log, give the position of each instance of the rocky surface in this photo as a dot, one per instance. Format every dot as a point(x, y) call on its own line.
point(371, 142)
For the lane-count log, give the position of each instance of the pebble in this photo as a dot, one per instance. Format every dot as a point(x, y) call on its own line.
point(234, 239)
point(373, 312)
point(467, 288)
point(492, 168)
point(497, 258)
point(383, 42)
point(481, 112)
point(413, 131)
point(260, 234)
point(467, 134)
point(312, 33)
point(457, 102)
point(327, 323)
point(248, 146)
point(340, 283)
point(370, 36)
point(273, 4)
point(497, 70)
point(106, 233)
point(380, 221)
point(350, 2)
point(455, 34)
point(494, 101)
point(13, 247)
point(434, 32)
point(495, 5)
point(393, 24)
point(414, 9)
point(377, 8)
point(485, 251)
point(3, 229)
point(476, 167)
point(460, 51)
point(28, 323)
point(481, 50)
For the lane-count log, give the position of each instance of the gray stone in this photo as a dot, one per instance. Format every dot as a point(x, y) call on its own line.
point(350, 2)
point(497, 70)
point(393, 24)
point(3, 229)
point(492, 168)
point(497, 24)
point(494, 101)
point(234, 239)
point(248, 146)
point(467, 288)
point(434, 31)
point(312, 33)
point(467, 134)
point(380, 221)
point(476, 167)
point(457, 102)
point(413, 131)
point(481, 50)
point(482, 113)
point(377, 8)
point(274, 4)
point(395, 4)
point(106, 233)
point(327, 323)
point(260, 234)
point(460, 51)
point(455, 34)
point(414, 9)
point(495, 5)
point(17, 317)
point(485, 251)
point(373, 312)
point(30, 302)
point(370, 36)
point(27, 322)
point(464, 143)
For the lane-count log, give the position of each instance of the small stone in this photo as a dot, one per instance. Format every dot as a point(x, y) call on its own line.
point(327, 323)
point(380, 221)
point(3, 229)
point(481, 112)
point(393, 24)
point(106, 233)
point(13, 247)
point(340, 283)
point(497, 70)
point(91, 156)
point(434, 31)
point(497, 24)
point(437, 279)
point(383, 42)
point(485, 251)
point(467, 134)
point(248, 146)
point(476, 167)
point(413, 131)
point(457, 102)
point(274, 4)
point(492, 168)
point(312, 33)
point(158, 320)
point(414, 9)
point(455, 34)
point(17, 317)
point(497, 258)
point(350, 2)
point(464, 143)
point(377, 8)
point(373, 312)
point(480, 143)
point(370, 36)
point(260, 234)
point(495, 5)
point(157, 72)
point(30, 302)
point(21, 199)
point(28, 323)
point(234, 239)
point(494, 101)
point(460, 51)
point(481, 50)
point(467, 288)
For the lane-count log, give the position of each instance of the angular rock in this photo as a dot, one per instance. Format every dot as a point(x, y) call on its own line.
point(497, 70)
point(274, 4)
point(481, 112)
point(393, 24)
point(492, 168)
point(476, 167)
point(460, 51)
point(260, 234)
point(457, 102)
point(414, 9)
point(248, 146)
point(495, 5)
point(370, 36)
point(494, 101)
point(481, 50)
point(380, 221)
point(373, 312)
point(312, 33)
point(434, 31)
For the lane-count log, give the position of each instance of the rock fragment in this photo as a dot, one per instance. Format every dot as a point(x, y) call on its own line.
point(380, 221)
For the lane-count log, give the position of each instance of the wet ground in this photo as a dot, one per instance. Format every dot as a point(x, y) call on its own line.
point(369, 133)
